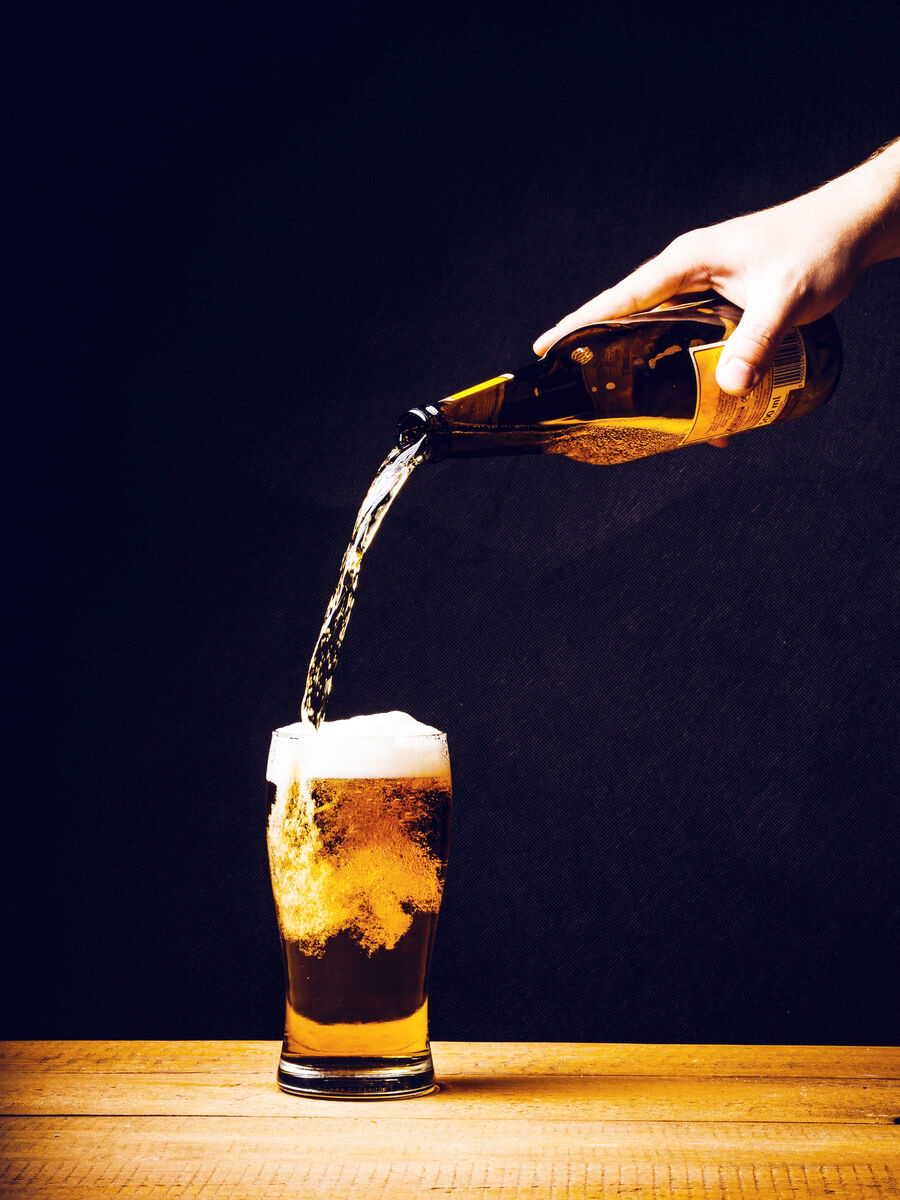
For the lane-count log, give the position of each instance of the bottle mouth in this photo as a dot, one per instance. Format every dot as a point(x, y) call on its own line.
point(419, 423)
point(411, 427)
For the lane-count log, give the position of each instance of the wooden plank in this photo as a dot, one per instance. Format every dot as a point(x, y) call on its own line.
point(512, 1120)
point(473, 1058)
point(79, 1157)
point(557, 1097)
point(358, 1132)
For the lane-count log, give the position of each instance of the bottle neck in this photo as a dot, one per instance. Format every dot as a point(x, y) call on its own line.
point(443, 440)
point(504, 415)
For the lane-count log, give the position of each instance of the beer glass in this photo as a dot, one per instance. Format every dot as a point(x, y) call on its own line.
point(358, 834)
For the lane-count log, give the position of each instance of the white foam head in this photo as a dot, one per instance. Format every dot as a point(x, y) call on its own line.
point(389, 745)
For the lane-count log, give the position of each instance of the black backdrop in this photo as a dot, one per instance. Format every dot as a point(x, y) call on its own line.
point(242, 242)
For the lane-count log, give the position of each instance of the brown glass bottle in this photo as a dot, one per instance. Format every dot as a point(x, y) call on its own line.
point(628, 388)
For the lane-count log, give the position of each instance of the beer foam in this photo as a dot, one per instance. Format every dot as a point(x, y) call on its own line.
point(391, 745)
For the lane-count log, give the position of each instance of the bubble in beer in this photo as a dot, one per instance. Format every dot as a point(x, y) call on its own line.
point(351, 832)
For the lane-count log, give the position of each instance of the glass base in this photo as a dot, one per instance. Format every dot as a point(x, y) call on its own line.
point(357, 1078)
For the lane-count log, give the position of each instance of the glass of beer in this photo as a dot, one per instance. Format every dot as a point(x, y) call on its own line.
point(358, 832)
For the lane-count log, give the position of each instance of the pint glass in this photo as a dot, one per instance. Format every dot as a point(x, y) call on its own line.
point(358, 834)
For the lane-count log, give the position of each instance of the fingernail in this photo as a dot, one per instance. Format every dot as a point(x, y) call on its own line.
point(735, 375)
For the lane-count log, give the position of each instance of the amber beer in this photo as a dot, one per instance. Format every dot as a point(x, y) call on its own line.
point(358, 836)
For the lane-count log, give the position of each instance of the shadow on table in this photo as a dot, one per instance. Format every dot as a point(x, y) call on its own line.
point(524, 1086)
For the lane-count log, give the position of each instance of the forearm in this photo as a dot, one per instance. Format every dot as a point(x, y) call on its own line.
point(869, 195)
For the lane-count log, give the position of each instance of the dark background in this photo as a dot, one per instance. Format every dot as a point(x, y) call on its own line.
point(241, 241)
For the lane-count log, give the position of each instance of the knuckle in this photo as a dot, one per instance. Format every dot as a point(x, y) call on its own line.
point(688, 255)
point(627, 300)
point(761, 335)
point(758, 339)
point(686, 245)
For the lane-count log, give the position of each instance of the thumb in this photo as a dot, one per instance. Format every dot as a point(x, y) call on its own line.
point(749, 351)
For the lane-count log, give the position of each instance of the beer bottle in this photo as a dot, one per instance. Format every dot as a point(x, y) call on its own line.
point(629, 387)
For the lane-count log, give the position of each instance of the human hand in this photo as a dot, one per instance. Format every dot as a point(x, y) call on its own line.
point(783, 266)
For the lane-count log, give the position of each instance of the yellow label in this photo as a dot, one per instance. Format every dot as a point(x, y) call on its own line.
point(479, 405)
point(720, 413)
point(498, 380)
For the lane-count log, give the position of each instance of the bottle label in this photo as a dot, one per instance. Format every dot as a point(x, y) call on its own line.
point(479, 405)
point(719, 413)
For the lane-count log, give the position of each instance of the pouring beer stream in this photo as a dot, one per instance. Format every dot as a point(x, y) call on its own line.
point(389, 479)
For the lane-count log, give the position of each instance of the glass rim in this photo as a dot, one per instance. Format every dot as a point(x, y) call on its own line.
point(357, 737)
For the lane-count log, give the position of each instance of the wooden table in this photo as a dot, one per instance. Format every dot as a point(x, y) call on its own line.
point(201, 1119)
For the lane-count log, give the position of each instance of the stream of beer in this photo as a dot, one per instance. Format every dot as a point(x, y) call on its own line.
point(389, 479)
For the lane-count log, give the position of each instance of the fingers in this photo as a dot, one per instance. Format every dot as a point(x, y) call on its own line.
point(749, 351)
point(675, 270)
point(721, 442)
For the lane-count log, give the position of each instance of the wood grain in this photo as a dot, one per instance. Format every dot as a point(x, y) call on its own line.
point(621, 1097)
point(474, 1058)
point(155, 1119)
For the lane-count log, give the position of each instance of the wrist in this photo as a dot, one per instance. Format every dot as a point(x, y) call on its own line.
point(874, 190)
